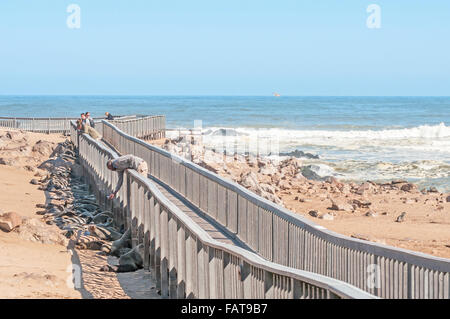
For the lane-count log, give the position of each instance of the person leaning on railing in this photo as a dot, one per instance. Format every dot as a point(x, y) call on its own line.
point(84, 128)
point(109, 117)
point(122, 163)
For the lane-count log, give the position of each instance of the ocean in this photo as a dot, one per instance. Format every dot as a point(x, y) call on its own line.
point(356, 138)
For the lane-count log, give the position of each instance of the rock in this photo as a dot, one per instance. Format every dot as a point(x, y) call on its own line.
point(268, 188)
point(335, 205)
point(314, 213)
point(365, 187)
point(29, 168)
point(401, 217)
point(345, 189)
point(226, 132)
point(35, 230)
point(408, 187)
point(371, 214)
point(448, 199)
point(268, 171)
point(7, 161)
point(273, 198)
point(34, 181)
point(13, 135)
point(283, 185)
point(249, 180)
point(44, 148)
point(361, 203)
point(332, 180)
point(327, 217)
point(299, 154)
point(398, 181)
point(310, 174)
point(433, 189)
point(9, 221)
point(359, 236)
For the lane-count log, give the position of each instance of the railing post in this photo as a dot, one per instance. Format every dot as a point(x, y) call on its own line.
point(152, 235)
point(246, 278)
point(181, 262)
point(157, 273)
point(202, 270)
point(173, 254)
point(164, 253)
point(146, 221)
point(268, 285)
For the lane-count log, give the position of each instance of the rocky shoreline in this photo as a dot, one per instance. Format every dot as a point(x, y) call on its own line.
point(395, 212)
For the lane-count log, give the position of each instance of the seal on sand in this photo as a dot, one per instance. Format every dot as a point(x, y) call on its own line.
point(128, 262)
point(123, 242)
point(104, 233)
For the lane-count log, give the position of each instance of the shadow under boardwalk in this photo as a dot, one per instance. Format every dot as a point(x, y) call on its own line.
point(212, 227)
point(98, 284)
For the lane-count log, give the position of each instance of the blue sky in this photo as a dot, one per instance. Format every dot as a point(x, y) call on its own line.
point(251, 47)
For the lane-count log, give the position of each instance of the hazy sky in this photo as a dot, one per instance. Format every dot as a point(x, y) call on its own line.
point(229, 47)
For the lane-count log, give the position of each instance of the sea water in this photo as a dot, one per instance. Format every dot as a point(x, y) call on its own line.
point(356, 138)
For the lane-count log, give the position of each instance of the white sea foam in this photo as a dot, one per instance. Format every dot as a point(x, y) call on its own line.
point(423, 131)
point(427, 138)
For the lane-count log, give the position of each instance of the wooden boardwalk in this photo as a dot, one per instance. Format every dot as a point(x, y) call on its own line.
point(209, 225)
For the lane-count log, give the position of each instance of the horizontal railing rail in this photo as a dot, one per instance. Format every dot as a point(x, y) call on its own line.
point(146, 127)
point(185, 262)
point(288, 239)
point(46, 124)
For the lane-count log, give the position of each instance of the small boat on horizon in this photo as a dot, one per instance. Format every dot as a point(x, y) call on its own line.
point(276, 94)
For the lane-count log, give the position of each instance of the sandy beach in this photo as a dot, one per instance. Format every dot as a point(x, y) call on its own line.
point(369, 211)
point(28, 269)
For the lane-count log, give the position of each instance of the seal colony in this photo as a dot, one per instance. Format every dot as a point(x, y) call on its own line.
point(74, 209)
point(51, 225)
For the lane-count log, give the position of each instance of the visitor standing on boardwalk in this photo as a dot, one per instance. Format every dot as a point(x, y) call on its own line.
point(83, 118)
point(122, 163)
point(89, 119)
point(84, 128)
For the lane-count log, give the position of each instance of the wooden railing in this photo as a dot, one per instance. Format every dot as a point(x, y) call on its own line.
point(50, 124)
point(35, 124)
point(185, 262)
point(288, 239)
point(147, 127)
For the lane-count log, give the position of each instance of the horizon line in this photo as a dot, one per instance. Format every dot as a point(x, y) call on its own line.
point(218, 95)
